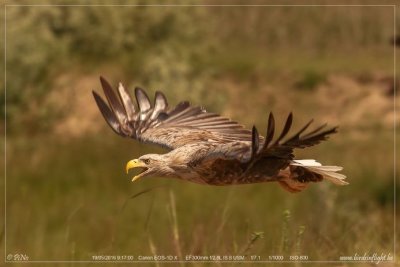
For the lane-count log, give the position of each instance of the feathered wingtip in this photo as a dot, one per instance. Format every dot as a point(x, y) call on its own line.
point(301, 138)
point(120, 112)
point(108, 115)
point(255, 142)
point(282, 145)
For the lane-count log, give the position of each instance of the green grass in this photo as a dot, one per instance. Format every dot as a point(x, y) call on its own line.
point(76, 201)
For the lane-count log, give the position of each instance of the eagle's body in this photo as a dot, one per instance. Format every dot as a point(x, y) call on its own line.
point(209, 149)
point(192, 163)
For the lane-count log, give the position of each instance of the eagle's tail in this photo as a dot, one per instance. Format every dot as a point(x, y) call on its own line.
point(310, 170)
point(297, 176)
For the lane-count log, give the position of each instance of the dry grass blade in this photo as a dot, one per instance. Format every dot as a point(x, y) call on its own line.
point(174, 222)
point(123, 207)
point(285, 232)
point(224, 216)
point(153, 249)
point(254, 237)
point(146, 224)
point(138, 194)
point(68, 227)
point(299, 240)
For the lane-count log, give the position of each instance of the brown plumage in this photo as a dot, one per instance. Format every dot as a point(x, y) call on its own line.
point(210, 149)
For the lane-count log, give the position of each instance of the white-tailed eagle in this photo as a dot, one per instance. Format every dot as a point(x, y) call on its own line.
point(207, 148)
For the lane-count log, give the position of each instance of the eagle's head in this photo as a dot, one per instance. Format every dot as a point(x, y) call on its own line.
point(150, 164)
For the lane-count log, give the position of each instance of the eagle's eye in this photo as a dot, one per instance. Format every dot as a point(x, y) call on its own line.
point(146, 161)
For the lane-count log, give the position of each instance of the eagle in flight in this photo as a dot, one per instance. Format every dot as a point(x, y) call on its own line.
point(207, 148)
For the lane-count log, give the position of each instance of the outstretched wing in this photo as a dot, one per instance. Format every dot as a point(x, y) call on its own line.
point(160, 125)
point(283, 147)
point(264, 153)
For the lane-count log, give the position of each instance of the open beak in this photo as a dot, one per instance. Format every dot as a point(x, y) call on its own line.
point(136, 163)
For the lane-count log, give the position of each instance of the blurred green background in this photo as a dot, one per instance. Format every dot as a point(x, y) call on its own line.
point(68, 197)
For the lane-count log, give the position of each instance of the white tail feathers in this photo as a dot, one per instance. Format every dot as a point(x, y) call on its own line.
point(328, 172)
point(306, 162)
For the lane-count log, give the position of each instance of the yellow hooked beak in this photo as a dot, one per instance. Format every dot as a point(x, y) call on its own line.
point(135, 163)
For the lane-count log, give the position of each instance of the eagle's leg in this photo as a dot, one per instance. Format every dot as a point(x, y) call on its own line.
point(292, 186)
point(289, 183)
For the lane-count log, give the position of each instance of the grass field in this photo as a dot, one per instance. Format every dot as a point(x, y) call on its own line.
point(68, 197)
point(83, 203)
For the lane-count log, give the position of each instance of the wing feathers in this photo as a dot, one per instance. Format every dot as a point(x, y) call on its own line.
point(286, 128)
point(171, 128)
point(201, 116)
point(270, 130)
point(315, 130)
point(142, 101)
point(160, 104)
point(127, 101)
point(113, 100)
point(107, 113)
point(255, 142)
point(126, 120)
point(284, 149)
point(178, 109)
point(296, 137)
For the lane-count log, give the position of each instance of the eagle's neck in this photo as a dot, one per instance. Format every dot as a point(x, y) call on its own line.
point(178, 160)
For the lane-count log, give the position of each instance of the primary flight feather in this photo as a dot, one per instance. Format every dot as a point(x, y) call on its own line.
point(207, 148)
